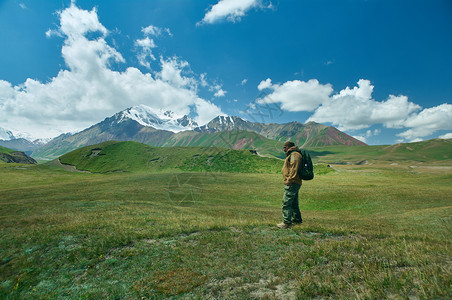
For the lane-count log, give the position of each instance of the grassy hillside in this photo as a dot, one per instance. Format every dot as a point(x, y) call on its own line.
point(437, 151)
point(234, 139)
point(367, 233)
point(12, 156)
point(6, 150)
point(132, 156)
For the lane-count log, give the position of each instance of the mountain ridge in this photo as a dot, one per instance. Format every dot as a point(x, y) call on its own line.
point(138, 123)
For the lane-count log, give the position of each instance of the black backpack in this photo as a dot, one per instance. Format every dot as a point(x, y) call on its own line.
point(306, 170)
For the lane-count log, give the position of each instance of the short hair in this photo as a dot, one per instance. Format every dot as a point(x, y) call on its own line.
point(289, 144)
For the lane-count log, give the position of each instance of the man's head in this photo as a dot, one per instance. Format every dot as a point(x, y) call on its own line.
point(288, 145)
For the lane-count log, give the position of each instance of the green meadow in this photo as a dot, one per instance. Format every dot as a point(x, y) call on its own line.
point(381, 230)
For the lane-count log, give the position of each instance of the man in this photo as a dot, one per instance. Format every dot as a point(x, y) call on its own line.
point(292, 183)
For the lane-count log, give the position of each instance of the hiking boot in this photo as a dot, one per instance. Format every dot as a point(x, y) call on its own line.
point(284, 225)
point(297, 222)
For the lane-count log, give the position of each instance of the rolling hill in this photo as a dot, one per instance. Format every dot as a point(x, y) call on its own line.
point(114, 156)
point(12, 156)
point(438, 151)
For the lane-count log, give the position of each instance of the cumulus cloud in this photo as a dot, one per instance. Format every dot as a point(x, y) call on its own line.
point(90, 90)
point(144, 46)
point(265, 84)
point(206, 111)
point(231, 10)
point(145, 50)
point(220, 93)
point(172, 72)
point(428, 121)
point(296, 95)
point(446, 136)
point(353, 109)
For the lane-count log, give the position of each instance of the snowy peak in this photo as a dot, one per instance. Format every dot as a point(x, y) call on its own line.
point(158, 119)
point(224, 123)
point(6, 135)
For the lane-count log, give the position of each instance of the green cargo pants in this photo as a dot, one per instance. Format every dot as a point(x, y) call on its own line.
point(290, 207)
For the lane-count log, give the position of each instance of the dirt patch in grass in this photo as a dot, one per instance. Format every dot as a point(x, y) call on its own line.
point(69, 168)
point(266, 288)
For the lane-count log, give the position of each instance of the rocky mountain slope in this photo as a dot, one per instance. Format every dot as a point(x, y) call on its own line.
point(306, 135)
point(145, 125)
point(11, 156)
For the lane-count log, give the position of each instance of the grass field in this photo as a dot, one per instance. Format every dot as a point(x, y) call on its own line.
point(372, 231)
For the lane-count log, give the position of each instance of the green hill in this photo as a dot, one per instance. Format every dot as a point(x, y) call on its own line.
point(438, 151)
point(233, 139)
point(12, 156)
point(116, 156)
point(4, 150)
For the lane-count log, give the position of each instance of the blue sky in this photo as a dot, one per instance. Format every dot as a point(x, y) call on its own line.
point(378, 70)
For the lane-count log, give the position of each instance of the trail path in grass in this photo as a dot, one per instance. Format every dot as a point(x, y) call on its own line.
point(70, 168)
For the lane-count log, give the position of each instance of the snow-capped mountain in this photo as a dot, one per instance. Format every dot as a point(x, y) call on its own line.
point(225, 123)
point(158, 119)
point(165, 128)
point(6, 134)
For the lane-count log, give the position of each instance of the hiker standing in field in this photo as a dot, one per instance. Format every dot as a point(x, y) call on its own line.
point(292, 183)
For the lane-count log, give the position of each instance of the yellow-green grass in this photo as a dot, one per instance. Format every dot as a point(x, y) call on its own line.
point(6, 150)
point(368, 232)
point(436, 151)
point(130, 156)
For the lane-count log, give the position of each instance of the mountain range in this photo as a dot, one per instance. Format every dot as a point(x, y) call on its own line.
point(165, 128)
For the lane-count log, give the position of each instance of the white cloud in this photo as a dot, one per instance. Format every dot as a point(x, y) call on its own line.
point(244, 81)
point(203, 80)
point(206, 111)
point(155, 31)
point(362, 91)
point(296, 95)
point(446, 136)
point(265, 84)
point(220, 93)
point(231, 10)
point(416, 140)
point(213, 87)
point(428, 121)
point(171, 72)
point(146, 45)
point(370, 133)
point(23, 6)
point(90, 90)
point(75, 23)
point(353, 109)
point(361, 138)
